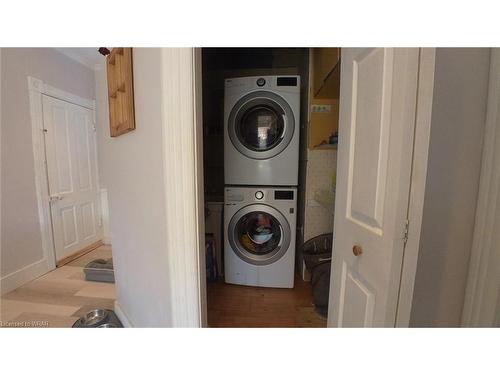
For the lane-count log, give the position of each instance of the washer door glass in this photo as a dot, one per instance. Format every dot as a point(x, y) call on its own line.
point(261, 127)
point(258, 233)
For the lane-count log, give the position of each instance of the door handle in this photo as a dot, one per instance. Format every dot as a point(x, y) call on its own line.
point(55, 198)
point(357, 250)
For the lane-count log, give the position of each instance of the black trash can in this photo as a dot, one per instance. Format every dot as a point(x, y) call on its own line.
point(317, 254)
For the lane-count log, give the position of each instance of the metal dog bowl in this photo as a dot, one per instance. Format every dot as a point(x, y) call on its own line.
point(94, 317)
point(98, 318)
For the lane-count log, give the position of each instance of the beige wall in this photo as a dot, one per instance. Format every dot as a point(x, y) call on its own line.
point(131, 167)
point(21, 238)
point(457, 127)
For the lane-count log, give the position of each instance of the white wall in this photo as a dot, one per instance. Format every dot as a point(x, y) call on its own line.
point(321, 165)
point(21, 244)
point(102, 128)
point(131, 168)
point(456, 141)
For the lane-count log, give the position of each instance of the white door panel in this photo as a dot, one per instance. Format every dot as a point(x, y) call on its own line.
point(358, 312)
point(376, 127)
point(69, 226)
point(88, 220)
point(72, 173)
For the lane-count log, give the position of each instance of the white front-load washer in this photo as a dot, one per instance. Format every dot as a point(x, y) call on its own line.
point(259, 236)
point(261, 130)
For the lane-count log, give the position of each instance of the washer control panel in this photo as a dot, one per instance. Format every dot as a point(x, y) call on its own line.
point(258, 194)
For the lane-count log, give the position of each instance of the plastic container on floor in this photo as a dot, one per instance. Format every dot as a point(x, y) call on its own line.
point(317, 253)
point(100, 270)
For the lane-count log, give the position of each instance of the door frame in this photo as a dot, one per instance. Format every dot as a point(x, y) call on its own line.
point(421, 141)
point(480, 301)
point(36, 89)
point(415, 209)
point(182, 140)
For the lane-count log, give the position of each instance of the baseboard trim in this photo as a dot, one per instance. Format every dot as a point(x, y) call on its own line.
point(79, 253)
point(106, 240)
point(121, 315)
point(22, 276)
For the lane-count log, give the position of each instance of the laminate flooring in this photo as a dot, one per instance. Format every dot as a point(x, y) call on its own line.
point(58, 298)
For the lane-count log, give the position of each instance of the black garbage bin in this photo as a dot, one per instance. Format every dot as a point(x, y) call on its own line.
point(317, 254)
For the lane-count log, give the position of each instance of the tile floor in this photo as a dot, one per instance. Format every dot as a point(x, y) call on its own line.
point(58, 298)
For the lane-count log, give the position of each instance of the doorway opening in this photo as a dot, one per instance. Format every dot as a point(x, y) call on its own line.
point(69, 240)
point(67, 176)
point(270, 129)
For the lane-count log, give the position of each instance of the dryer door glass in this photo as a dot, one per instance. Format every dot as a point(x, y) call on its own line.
point(258, 233)
point(261, 127)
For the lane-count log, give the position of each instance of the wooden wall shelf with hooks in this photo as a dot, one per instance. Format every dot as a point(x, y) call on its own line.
point(120, 91)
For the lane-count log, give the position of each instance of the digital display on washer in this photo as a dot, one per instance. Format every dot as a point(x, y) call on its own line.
point(286, 81)
point(283, 195)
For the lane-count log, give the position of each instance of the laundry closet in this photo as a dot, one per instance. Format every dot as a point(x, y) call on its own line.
point(270, 120)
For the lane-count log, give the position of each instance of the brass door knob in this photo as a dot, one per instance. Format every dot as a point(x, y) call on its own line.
point(357, 250)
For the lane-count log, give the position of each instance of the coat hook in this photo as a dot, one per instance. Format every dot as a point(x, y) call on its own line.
point(104, 51)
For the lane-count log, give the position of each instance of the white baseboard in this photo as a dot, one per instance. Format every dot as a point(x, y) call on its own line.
point(121, 315)
point(20, 277)
point(106, 240)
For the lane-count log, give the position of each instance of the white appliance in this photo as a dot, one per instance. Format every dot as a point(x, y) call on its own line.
point(261, 130)
point(259, 236)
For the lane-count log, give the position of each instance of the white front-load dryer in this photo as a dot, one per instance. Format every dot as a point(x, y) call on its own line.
point(261, 130)
point(259, 236)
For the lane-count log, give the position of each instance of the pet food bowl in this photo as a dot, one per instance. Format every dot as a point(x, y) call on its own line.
point(94, 317)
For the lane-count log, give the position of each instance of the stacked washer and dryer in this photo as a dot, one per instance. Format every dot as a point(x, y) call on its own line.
point(261, 157)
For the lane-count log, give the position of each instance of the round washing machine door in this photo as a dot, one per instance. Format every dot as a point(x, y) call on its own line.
point(259, 234)
point(261, 125)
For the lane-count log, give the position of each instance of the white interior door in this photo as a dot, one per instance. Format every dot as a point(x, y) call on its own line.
point(72, 174)
point(376, 129)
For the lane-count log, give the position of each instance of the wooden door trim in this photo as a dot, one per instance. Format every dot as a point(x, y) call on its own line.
point(480, 302)
point(421, 140)
point(36, 89)
point(182, 138)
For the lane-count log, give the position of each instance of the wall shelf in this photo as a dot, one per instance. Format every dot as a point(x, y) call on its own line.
point(120, 91)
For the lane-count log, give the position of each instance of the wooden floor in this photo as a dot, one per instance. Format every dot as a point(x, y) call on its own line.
point(244, 306)
point(58, 298)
